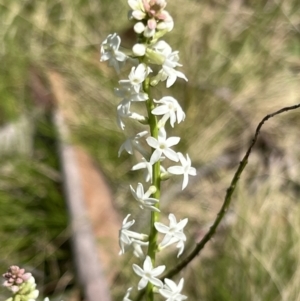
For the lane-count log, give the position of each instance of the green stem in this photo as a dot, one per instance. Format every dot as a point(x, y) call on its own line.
point(152, 248)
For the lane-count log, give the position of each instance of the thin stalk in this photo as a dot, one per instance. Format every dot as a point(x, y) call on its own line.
point(152, 248)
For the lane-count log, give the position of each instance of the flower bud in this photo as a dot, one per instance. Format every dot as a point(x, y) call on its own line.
point(154, 57)
point(139, 49)
point(139, 27)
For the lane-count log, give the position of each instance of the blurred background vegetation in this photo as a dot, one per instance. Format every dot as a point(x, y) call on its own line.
point(242, 59)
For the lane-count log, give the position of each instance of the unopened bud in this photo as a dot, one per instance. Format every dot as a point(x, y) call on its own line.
point(139, 49)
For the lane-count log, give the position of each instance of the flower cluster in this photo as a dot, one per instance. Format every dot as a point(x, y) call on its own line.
point(21, 284)
point(154, 62)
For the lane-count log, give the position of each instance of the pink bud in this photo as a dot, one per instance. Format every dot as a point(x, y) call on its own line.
point(26, 276)
point(151, 24)
point(14, 269)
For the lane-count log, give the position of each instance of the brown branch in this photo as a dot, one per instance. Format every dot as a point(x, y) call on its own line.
point(227, 200)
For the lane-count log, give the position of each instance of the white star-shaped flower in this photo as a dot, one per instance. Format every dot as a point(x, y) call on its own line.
point(185, 169)
point(171, 61)
point(170, 108)
point(173, 233)
point(137, 75)
point(123, 111)
point(127, 237)
point(133, 143)
point(162, 146)
point(144, 198)
point(148, 273)
point(128, 93)
point(110, 52)
point(171, 291)
point(148, 169)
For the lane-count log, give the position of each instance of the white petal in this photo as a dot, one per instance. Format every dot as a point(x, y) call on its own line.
point(185, 180)
point(138, 270)
point(160, 110)
point(166, 293)
point(140, 191)
point(172, 155)
point(151, 201)
point(176, 170)
point(156, 155)
point(152, 208)
point(180, 245)
point(182, 159)
point(152, 142)
point(171, 80)
point(171, 284)
point(157, 271)
point(180, 285)
point(167, 240)
point(143, 282)
point(172, 219)
point(172, 119)
point(139, 166)
point(139, 15)
point(133, 192)
point(172, 141)
point(147, 264)
point(161, 228)
point(182, 223)
point(162, 135)
point(192, 171)
point(156, 282)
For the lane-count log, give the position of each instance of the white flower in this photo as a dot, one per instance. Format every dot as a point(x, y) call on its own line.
point(144, 198)
point(162, 146)
point(170, 108)
point(128, 93)
point(173, 233)
point(148, 273)
point(123, 111)
point(110, 52)
point(148, 169)
point(184, 170)
point(171, 291)
point(171, 61)
point(126, 237)
point(126, 297)
point(138, 75)
point(133, 143)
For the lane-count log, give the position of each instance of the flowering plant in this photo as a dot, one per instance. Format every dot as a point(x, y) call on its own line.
point(150, 23)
